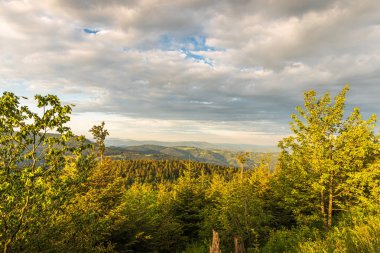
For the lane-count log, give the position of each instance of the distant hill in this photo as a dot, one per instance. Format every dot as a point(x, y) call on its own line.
point(216, 154)
point(198, 144)
point(157, 152)
point(210, 153)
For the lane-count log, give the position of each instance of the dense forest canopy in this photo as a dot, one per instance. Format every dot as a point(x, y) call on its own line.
point(322, 196)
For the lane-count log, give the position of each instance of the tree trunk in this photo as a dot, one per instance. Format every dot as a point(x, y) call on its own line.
point(330, 209)
point(214, 248)
point(323, 212)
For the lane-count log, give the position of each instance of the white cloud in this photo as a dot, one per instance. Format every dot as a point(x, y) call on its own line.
point(242, 62)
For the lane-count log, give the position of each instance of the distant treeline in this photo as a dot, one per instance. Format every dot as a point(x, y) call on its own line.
point(161, 171)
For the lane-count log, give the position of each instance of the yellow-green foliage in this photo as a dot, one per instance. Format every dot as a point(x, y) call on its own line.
point(363, 236)
point(326, 166)
point(323, 197)
point(287, 240)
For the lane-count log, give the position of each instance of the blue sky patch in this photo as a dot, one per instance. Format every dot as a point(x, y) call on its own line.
point(197, 57)
point(190, 43)
point(190, 46)
point(198, 43)
point(91, 31)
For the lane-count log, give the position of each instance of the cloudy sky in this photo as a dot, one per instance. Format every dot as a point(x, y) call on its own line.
point(211, 70)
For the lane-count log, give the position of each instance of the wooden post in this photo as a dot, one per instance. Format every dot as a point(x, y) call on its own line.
point(239, 244)
point(214, 248)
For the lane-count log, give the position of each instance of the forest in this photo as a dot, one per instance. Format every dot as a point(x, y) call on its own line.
point(61, 193)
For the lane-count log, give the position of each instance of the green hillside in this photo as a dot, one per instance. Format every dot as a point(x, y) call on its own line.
point(155, 152)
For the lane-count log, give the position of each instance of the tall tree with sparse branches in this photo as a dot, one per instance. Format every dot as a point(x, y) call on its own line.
point(100, 133)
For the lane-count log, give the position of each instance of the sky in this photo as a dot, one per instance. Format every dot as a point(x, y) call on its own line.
point(228, 71)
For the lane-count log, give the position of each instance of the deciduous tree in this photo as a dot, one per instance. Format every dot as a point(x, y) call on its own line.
point(100, 134)
point(324, 156)
point(30, 159)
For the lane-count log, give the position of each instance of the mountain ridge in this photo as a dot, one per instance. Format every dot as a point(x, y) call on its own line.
point(156, 152)
point(197, 144)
